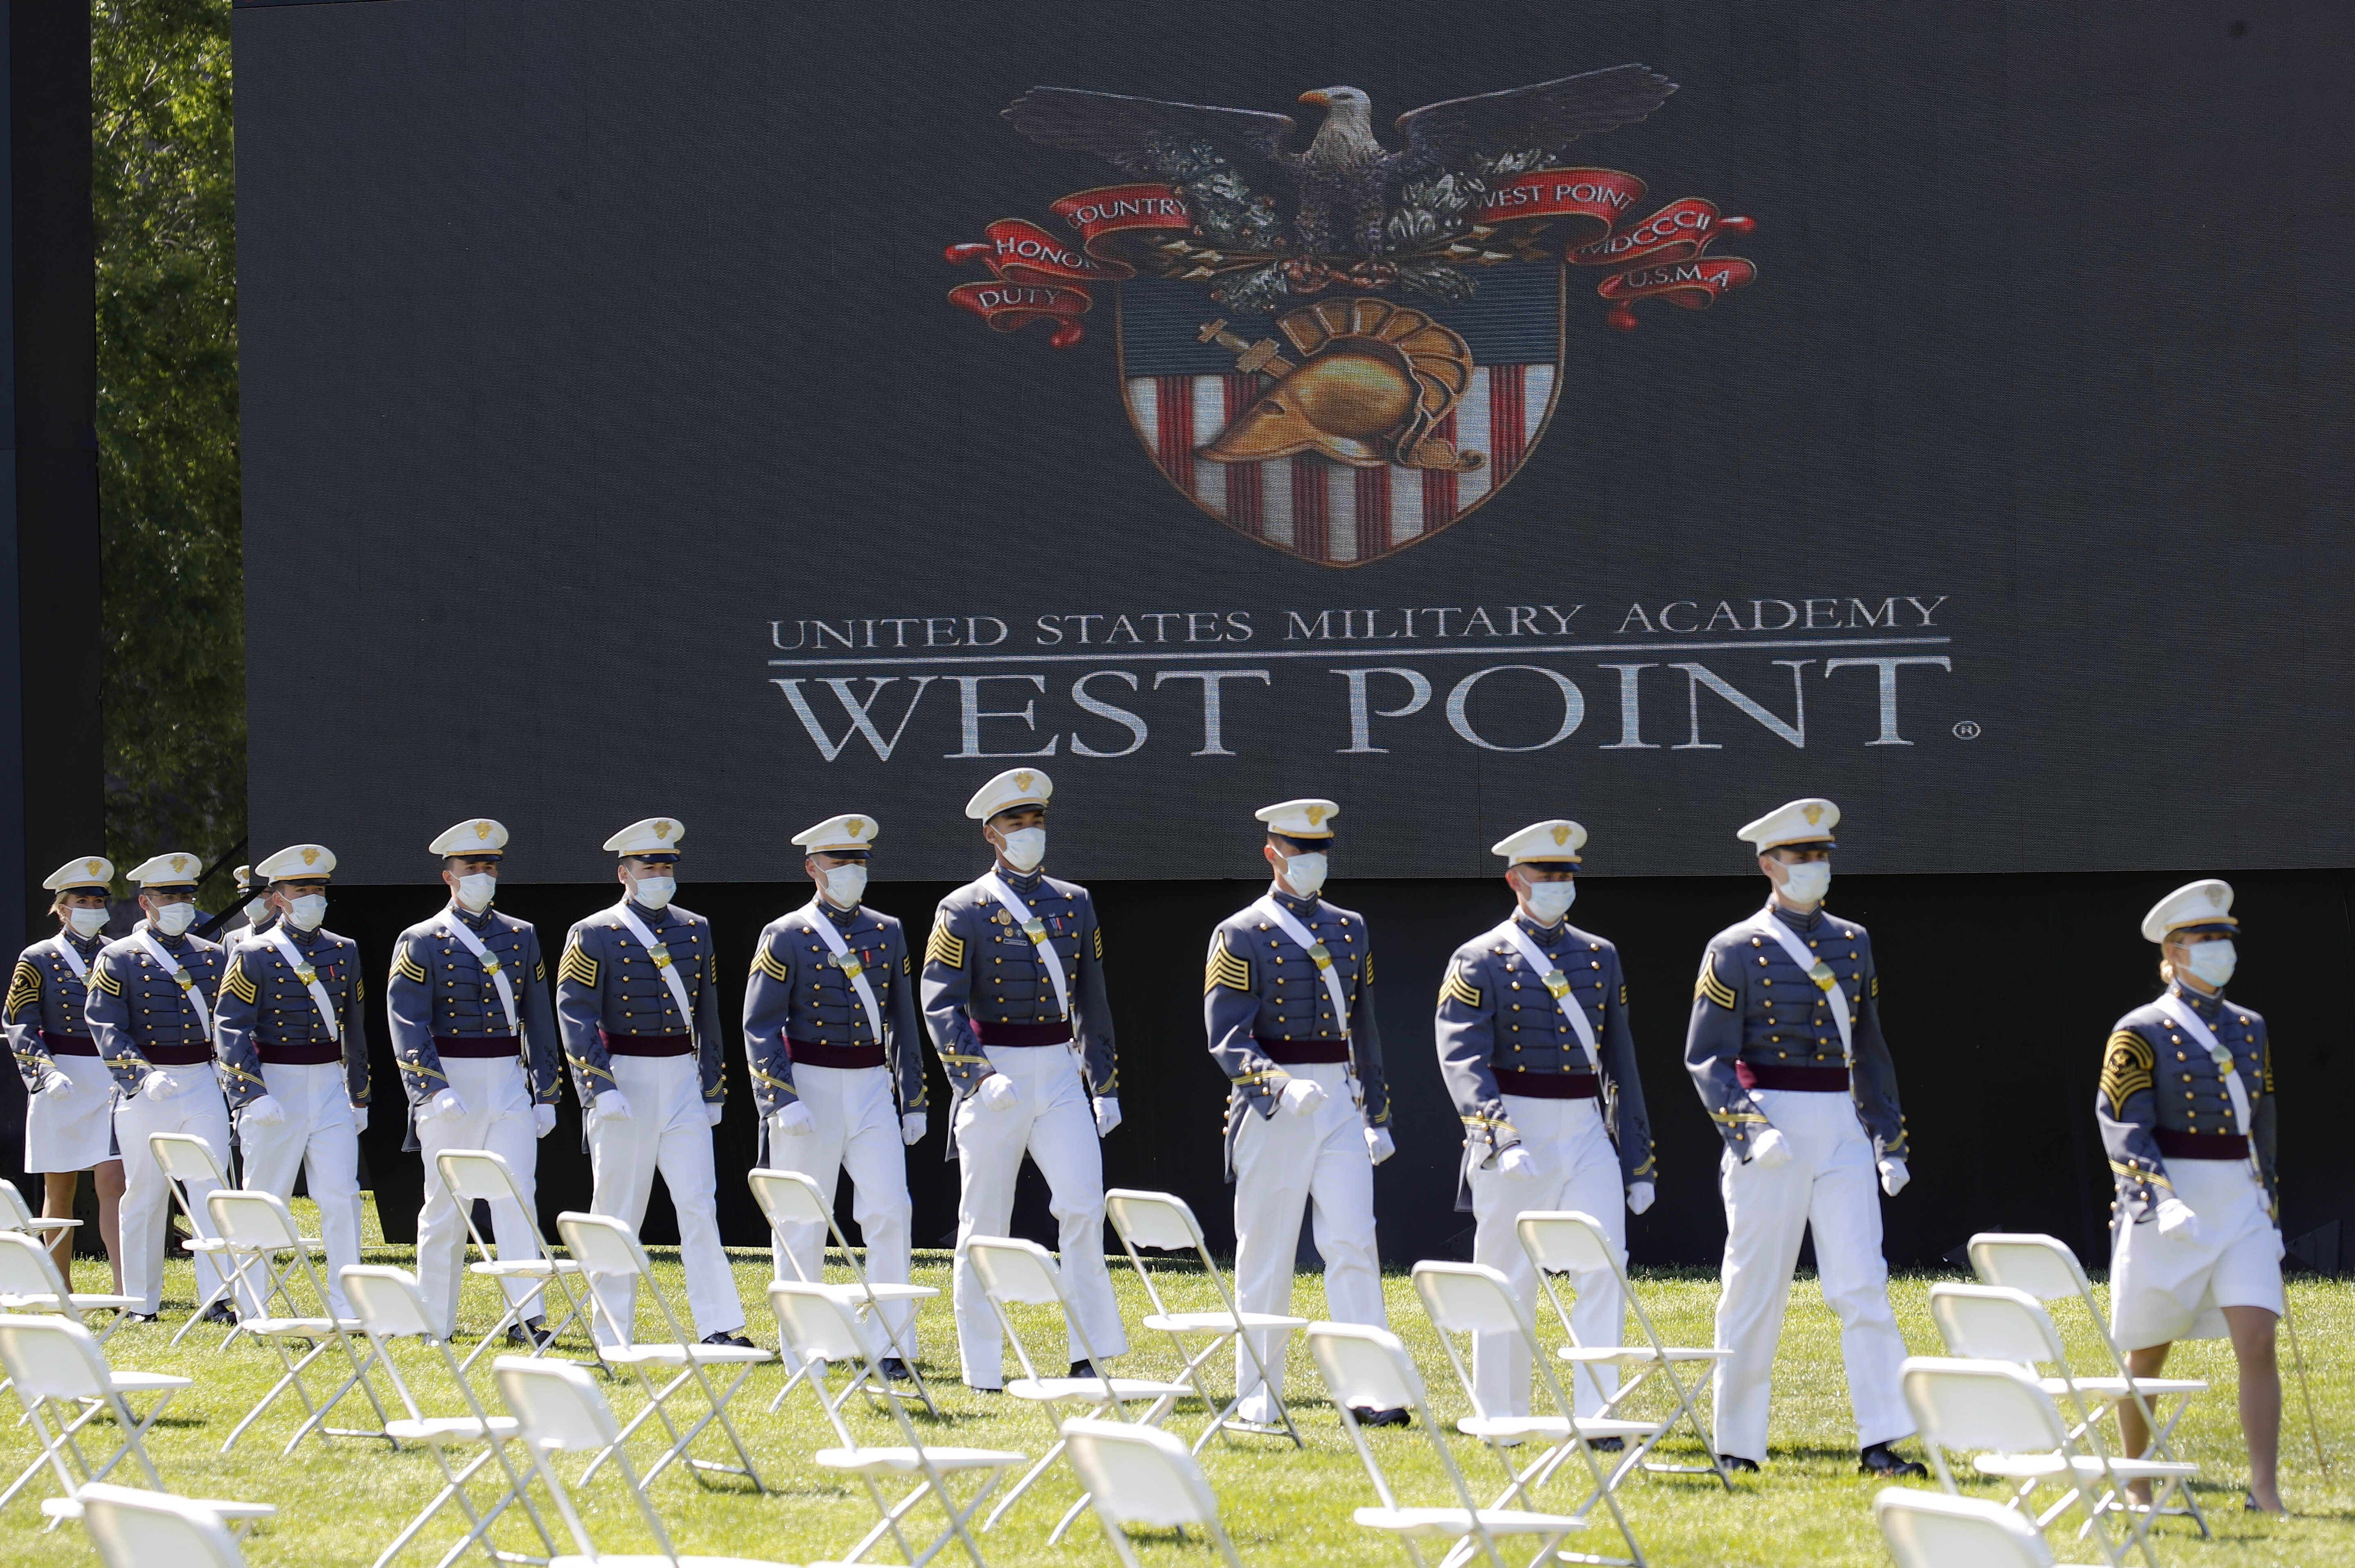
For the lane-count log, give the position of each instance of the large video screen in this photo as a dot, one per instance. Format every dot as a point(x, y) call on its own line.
point(1646, 413)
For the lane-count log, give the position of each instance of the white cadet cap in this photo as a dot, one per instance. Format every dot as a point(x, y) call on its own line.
point(244, 875)
point(656, 838)
point(1011, 791)
point(1310, 819)
point(2204, 905)
point(1559, 839)
point(478, 839)
point(298, 862)
point(92, 871)
point(839, 835)
point(175, 868)
point(1807, 822)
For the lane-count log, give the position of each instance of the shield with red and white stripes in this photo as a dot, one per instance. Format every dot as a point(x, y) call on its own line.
point(1183, 389)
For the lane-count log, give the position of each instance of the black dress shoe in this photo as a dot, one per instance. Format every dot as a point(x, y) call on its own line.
point(1368, 1416)
point(1083, 1369)
point(137, 1317)
point(1737, 1464)
point(532, 1334)
point(1608, 1444)
point(219, 1312)
point(1882, 1460)
point(739, 1341)
point(895, 1369)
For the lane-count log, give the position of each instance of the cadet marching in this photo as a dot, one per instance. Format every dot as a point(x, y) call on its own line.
point(257, 1046)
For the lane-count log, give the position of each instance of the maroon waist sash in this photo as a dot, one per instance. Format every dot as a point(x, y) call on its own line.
point(178, 1056)
point(1804, 1080)
point(474, 1047)
point(310, 1053)
point(69, 1045)
point(1021, 1034)
point(1547, 1085)
point(2200, 1145)
point(810, 1053)
point(1302, 1053)
point(647, 1044)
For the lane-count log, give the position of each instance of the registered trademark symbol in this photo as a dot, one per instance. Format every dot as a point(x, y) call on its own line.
point(1967, 730)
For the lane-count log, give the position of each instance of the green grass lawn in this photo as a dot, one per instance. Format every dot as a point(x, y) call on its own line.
point(342, 1501)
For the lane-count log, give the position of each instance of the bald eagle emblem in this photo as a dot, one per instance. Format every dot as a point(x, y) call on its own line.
point(1334, 344)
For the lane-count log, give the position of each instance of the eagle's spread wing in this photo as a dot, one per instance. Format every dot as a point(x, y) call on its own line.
point(1137, 133)
point(1548, 116)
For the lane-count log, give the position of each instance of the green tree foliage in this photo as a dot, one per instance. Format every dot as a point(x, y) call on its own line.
point(163, 194)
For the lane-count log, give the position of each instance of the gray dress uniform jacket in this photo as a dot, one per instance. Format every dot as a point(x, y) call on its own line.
point(607, 984)
point(1265, 1000)
point(265, 1013)
point(1756, 1015)
point(142, 1017)
point(2161, 1093)
point(1496, 1017)
point(46, 999)
point(799, 998)
point(440, 994)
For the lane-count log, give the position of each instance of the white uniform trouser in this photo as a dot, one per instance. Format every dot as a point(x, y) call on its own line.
point(1282, 1164)
point(859, 1127)
point(498, 1118)
point(1052, 1120)
point(320, 1139)
point(668, 1131)
point(1577, 1168)
point(1830, 1184)
point(200, 1112)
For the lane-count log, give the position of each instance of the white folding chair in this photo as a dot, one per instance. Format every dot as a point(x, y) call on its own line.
point(59, 1373)
point(560, 1410)
point(2002, 1416)
point(15, 1214)
point(2046, 1268)
point(604, 1247)
point(132, 1529)
point(190, 1170)
point(1143, 1475)
point(1931, 1529)
point(258, 1228)
point(1164, 1222)
point(392, 1307)
point(1022, 1272)
point(29, 1282)
point(1471, 1298)
point(1996, 1323)
point(477, 1175)
point(1368, 1369)
point(1567, 1241)
point(789, 1197)
point(820, 1326)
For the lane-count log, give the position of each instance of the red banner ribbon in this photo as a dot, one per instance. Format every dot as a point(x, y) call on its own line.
point(1601, 196)
point(1043, 279)
point(1660, 258)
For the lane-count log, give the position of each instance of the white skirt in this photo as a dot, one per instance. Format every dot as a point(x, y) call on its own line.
point(2164, 1287)
point(74, 1130)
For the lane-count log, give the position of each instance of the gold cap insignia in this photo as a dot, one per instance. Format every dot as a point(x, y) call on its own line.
point(662, 830)
point(1812, 814)
point(179, 863)
point(857, 825)
point(2216, 895)
point(96, 866)
point(310, 857)
point(1315, 816)
point(482, 830)
point(1561, 833)
point(1022, 779)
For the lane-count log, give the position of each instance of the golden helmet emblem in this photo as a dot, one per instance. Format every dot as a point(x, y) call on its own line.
point(1374, 381)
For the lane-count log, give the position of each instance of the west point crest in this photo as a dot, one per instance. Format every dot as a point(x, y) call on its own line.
point(1341, 349)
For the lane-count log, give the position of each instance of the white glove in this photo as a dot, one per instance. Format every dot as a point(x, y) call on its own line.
point(611, 1107)
point(794, 1120)
point(1380, 1144)
point(2176, 1219)
point(1894, 1176)
point(1640, 1197)
point(1108, 1115)
point(712, 1111)
point(263, 1111)
point(1301, 1096)
point(448, 1106)
point(543, 1120)
point(360, 1119)
point(1517, 1164)
point(997, 1092)
point(912, 1128)
point(54, 1081)
point(159, 1084)
point(1770, 1148)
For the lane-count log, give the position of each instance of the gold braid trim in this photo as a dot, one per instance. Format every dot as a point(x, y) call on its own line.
point(1099, 944)
point(2126, 1063)
point(586, 1068)
point(1712, 988)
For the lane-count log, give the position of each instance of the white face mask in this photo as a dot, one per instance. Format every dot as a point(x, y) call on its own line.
point(174, 918)
point(1025, 848)
point(844, 885)
point(308, 911)
point(653, 892)
point(1807, 882)
point(476, 890)
point(257, 908)
point(2213, 962)
point(87, 922)
point(1550, 900)
point(1305, 873)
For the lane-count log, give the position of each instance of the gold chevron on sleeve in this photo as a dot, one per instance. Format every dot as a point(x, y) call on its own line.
point(1224, 968)
point(1876, 988)
point(1366, 973)
point(575, 967)
point(944, 949)
point(907, 965)
point(2126, 1063)
point(1099, 944)
point(1714, 989)
point(2268, 1068)
point(235, 982)
point(24, 987)
point(1458, 988)
point(1623, 993)
point(406, 966)
point(104, 979)
point(765, 963)
point(539, 972)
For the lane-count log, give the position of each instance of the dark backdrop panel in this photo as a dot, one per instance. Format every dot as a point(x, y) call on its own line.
point(1998, 993)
